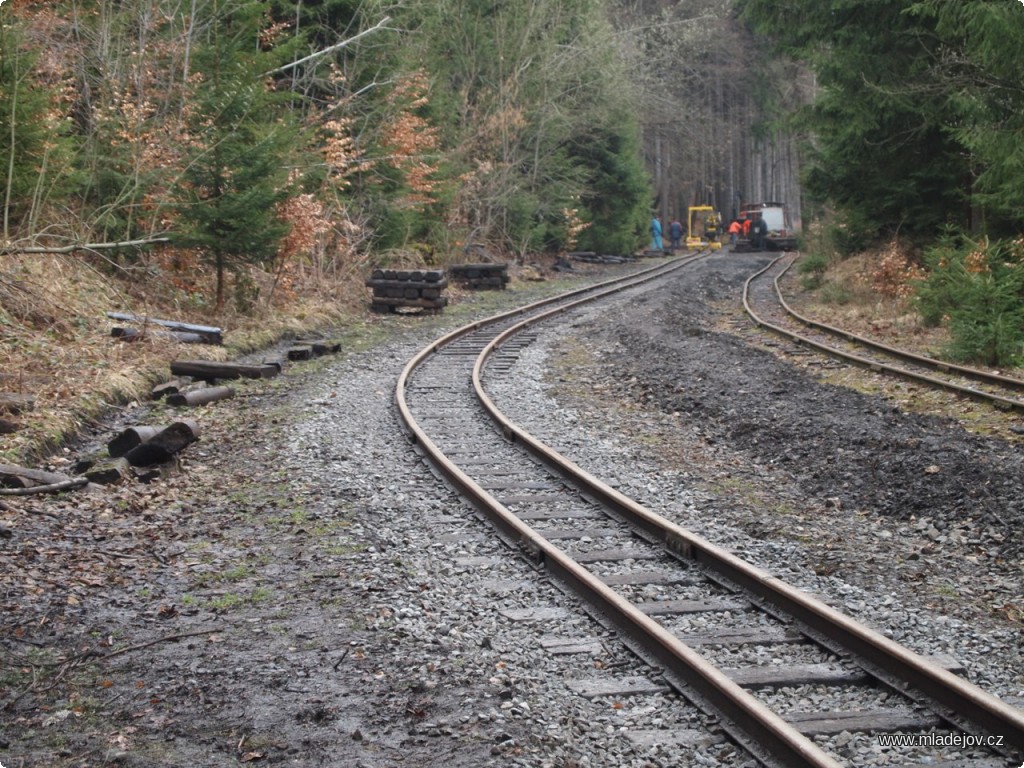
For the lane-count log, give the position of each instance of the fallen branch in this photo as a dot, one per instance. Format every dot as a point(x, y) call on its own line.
point(164, 639)
point(12, 249)
point(328, 49)
point(66, 485)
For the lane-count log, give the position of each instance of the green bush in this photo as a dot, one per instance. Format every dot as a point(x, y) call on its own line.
point(812, 268)
point(977, 287)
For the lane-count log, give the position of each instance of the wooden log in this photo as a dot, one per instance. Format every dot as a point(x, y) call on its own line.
point(321, 346)
point(210, 334)
point(301, 352)
point(129, 438)
point(15, 402)
point(164, 445)
point(134, 334)
point(202, 396)
point(12, 475)
point(382, 283)
point(65, 485)
point(172, 387)
point(209, 370)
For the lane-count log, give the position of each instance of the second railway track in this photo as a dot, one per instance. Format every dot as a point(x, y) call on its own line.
point(764, 302)
point(650, 578)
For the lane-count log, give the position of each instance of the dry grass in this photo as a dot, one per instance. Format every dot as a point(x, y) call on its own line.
point(850, 298)
point(56, 345)
point(55, 337)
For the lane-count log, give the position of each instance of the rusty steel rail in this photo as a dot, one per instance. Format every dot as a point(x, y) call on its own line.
point(959, 701)
point(967, 702)
point(1004, 403)
point(761, 727)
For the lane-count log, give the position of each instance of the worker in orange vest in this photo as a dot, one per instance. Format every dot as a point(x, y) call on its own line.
point(734, 231)
point(746, 227)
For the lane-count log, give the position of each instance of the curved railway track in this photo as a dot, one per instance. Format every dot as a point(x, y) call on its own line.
point(649, 578)
point(765, 304)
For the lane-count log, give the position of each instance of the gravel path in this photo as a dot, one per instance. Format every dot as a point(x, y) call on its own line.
point(355, 614)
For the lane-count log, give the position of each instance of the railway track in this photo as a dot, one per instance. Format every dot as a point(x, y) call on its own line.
point(765, 304)
point(758, 639)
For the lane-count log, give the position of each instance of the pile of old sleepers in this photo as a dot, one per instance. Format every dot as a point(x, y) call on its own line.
point(395, 289)
point(480, 277)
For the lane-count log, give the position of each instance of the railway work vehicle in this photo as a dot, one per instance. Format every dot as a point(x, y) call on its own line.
point(781, 233)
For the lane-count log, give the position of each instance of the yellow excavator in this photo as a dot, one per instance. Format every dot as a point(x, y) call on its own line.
point(704, 226)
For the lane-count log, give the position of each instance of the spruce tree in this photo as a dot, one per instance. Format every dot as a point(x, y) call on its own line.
point(881, 153)
point(35, 150)
point(242, 140)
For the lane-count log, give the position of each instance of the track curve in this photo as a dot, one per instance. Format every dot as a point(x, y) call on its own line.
point(764, 303)
point(442, 398)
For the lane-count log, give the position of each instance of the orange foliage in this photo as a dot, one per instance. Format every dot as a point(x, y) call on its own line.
point(573, 226)
point(306, 216)
point(894, 273)
point(411, 138)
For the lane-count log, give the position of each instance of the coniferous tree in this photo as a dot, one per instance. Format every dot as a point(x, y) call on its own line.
point(982, 74)
point(241, 145)
point(881, 152)
point(35, 150)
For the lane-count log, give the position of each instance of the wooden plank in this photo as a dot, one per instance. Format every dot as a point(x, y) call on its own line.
point(563, 534)
point(552, 514)
point(210, 370)
point(375, 282)
point(529, 498)
point(674, 738)
point(593, 688)
point(607, 555)
point(778, 675)
point(478, 562)
point(567, 646)
point(772, 636)
point(462, 537)
point(505, 586)
point(879, 721)
point(538, 613)
point(504, 485)
point(212, 335)
point(682, 607)
point(662, 578)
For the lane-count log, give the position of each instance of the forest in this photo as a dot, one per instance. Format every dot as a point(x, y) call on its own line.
point(237, 156)
point(218, 136)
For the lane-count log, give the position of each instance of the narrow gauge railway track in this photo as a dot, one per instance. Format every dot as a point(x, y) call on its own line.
point(649, 577)
point(766, 306)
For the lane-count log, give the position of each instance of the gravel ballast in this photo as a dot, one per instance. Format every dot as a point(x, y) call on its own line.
point(356, 614)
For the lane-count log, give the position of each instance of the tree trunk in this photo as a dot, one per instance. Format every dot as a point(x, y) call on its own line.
point(201, 396)
point(164, 445)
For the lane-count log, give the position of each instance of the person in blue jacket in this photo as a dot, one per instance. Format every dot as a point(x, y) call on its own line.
point(656, 242)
